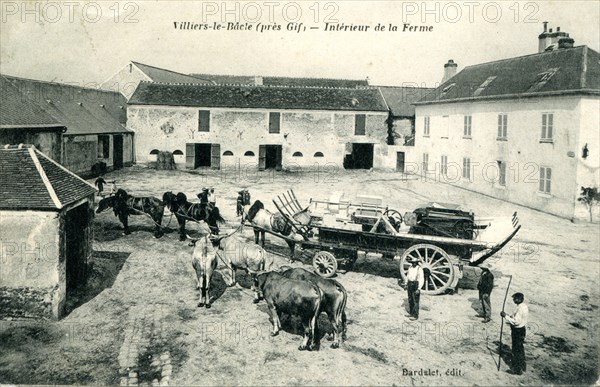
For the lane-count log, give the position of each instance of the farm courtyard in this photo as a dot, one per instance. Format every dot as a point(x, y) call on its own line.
point(136, 320)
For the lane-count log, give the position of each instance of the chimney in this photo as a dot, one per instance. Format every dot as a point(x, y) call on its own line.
point(566, 42)
point(449, 70)
point(544, 38)
point(258, 80)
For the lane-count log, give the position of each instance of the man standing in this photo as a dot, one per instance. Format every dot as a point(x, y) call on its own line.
point(518, 323)
point(100, 184)
point(485, 286)
point(415, 280)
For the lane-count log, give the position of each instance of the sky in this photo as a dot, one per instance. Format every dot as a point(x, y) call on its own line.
point(87, 42)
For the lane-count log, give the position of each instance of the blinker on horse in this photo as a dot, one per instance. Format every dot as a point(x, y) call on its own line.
point(124, 205)
point(196, 212)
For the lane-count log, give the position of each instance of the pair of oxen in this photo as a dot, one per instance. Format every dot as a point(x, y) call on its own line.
point(294, 291)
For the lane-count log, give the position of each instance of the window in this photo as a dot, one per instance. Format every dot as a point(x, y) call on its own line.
point(445, 127)
point(249, 153)
point(359, 125)
point(502, 173)
point(502, 126)
point(319, 154)
point(177, 153)
point(204, 121)
point(228, 153)
point(104, 146)
point(466, 172)
point(444, 166)
point(426, 126)
point(545, 180)
point(154, 152)
point(274, 122)
point(485, 84)
point(425, 162)
point(547, 127)
point(297, 154)
point(467, 126)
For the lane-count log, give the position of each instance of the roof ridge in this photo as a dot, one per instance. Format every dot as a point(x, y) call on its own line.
point(44, 178)
point(525, 56)
point(584, 68)
point(167, 70)
point(283, 76)
point(59, 84)
point(63, 168)
point(365, 87)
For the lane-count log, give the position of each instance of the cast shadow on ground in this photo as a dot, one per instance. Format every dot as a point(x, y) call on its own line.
point(102, 272)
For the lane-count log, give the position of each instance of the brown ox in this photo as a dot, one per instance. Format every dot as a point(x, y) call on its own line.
point(235, 254)
point(334, 301)
point(300, 298)
point(204, 262)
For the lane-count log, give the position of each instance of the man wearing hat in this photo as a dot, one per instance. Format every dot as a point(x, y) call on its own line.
point(518, 324)
point(485, 286)
point(415, 280)
point(203, 196)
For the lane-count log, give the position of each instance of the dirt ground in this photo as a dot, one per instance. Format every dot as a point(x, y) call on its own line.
point(136, 320)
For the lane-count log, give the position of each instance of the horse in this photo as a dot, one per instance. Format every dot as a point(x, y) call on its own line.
point(185, 210)
point(265, 220)
point(124, 205)
point(204, 262)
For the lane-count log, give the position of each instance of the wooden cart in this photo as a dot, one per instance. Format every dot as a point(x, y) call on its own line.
point(338, 234)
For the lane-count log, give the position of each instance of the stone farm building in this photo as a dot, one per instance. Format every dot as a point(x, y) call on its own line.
point(263, 126)
point(94, 121)
point(46, 214)
point(23, 122)
point(522, 129)
point(127, 79)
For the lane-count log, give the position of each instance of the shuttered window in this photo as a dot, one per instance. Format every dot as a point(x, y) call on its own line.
point(359, 125)
point(274, 122)
point(204, 121)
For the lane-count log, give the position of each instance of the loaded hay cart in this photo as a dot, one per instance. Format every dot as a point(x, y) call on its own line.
point(444, 237)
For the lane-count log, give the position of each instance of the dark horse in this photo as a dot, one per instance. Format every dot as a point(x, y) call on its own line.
point(259, 216)
point(195, 212)
point(124, 205)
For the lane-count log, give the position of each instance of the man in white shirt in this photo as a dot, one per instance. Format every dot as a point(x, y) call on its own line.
point(518, 327)
point(415, 280)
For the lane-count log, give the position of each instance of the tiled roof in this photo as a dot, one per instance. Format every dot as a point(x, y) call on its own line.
point(17, 111)
point(563, 71)
point(282, 81)
point(260, 97)
point(82, 110)
point(30, 180)
point(401, 99)
point(167, 76)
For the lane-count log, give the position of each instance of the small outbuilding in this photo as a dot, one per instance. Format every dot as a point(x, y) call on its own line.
point(46, 236)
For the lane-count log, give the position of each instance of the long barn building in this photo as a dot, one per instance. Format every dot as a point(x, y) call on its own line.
point(220, 126)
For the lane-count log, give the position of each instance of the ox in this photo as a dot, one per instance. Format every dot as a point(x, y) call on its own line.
point(240, 255)
point(300, 298)
point(334, 301)
point(204, 262)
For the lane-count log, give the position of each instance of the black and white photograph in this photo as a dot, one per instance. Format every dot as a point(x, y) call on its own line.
point(299, 193)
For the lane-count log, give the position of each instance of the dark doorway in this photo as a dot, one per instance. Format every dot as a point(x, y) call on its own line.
point(360, 158)
point(117, 151)
point(400, 162)
point(197, 155)
point(270, 157)
point(76, 249)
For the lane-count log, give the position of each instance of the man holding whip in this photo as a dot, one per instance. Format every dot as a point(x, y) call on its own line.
point(518, 326)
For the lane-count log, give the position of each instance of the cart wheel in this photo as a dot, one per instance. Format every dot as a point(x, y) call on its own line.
point(325, 264)
point(436, 264)
point(394, 217)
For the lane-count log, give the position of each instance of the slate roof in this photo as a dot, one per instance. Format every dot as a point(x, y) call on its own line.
point(81, 110)
point(563, 71)
point(260, 97)
point(167, 76)
point(283, 81)
point(401, 99)
point(17, 111)
point(30, 180)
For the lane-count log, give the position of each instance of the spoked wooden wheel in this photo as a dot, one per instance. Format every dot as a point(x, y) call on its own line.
point(325, 264)
point(437, 267)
